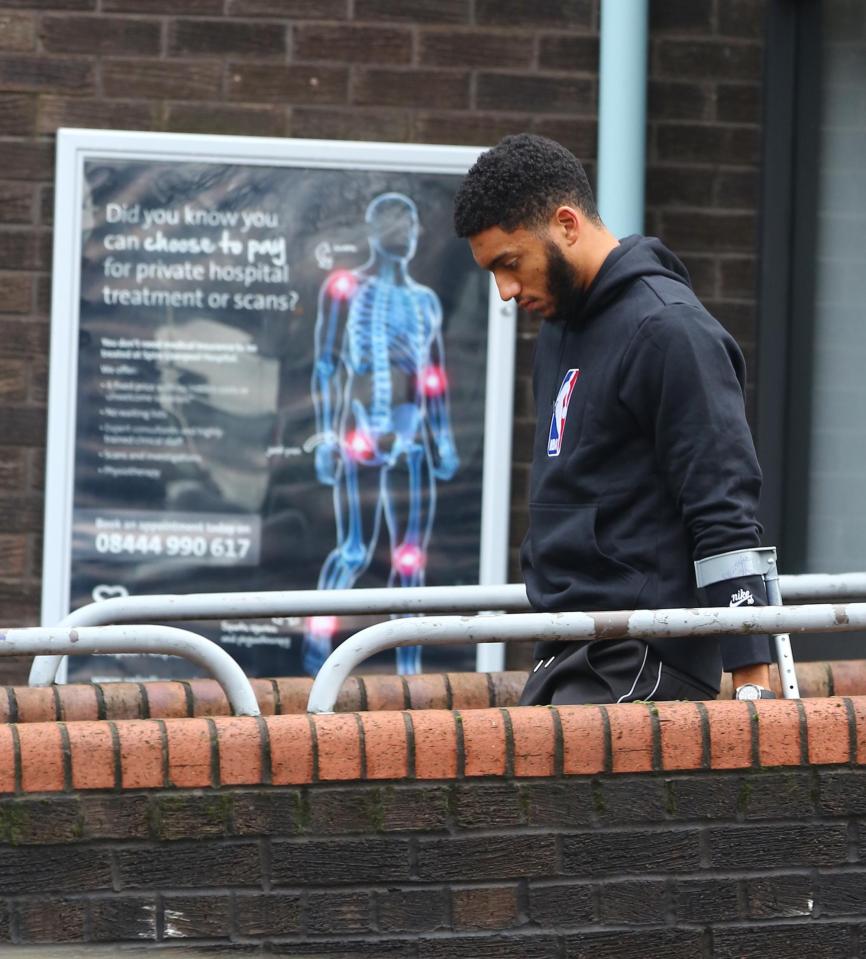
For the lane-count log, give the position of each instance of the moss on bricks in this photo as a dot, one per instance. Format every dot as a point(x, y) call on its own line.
point(14, 822)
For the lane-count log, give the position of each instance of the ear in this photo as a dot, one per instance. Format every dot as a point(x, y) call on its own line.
point(567, 223)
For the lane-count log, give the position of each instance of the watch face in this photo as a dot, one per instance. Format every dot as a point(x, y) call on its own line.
point(749, 691)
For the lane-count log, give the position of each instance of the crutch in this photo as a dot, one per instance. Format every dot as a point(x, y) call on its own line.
point(760, 561)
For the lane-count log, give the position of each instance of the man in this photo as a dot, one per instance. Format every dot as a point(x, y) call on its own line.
point(642, 461)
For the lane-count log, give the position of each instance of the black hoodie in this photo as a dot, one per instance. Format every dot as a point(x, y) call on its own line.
point(643, 460)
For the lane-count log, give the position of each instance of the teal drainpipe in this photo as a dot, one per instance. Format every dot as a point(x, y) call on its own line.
point(622, 114)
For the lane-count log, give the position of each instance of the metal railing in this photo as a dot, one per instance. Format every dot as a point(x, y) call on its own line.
point(828, 587)
point(163, 640)
point(509, 598)
point(309, 602)
point(632, 624)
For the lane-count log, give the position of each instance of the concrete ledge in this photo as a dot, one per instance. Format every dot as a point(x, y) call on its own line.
point(280, 697)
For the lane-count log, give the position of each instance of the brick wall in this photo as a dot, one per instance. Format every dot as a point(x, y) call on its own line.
point(716, 830)
point(377, 693)
point(458, 71)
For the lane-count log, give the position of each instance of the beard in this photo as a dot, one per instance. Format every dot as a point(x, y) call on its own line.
point(562, 286)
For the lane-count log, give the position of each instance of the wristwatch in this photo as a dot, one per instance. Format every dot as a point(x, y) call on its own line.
point(750, 691)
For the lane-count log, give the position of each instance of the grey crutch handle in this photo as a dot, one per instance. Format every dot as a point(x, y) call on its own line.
point(759, 561)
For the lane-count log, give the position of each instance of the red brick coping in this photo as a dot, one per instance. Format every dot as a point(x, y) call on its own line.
point(204, 697)
point(430, 745)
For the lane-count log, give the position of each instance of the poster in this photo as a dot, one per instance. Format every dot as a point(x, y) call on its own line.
point(276, 378)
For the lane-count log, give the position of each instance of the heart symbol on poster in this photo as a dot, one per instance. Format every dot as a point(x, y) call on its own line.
point(104, 591)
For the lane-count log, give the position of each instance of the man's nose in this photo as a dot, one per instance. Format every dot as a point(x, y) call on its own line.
point(508, 287)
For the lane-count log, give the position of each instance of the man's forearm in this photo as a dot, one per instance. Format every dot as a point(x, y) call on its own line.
point(759, 674)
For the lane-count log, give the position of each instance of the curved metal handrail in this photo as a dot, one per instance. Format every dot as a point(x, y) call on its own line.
point(638, 624)
point(509, 598)
point(308, 602)
point(166, 640)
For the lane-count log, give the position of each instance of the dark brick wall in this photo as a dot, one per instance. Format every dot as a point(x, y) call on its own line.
point(459, 71)
point(744, 864)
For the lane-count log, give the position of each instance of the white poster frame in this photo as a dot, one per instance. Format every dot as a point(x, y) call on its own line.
point(74, 148)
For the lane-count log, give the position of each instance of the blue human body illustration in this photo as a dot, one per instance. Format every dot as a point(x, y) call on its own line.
point(381, 397)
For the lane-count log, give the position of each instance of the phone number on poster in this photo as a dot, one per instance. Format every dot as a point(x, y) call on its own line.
point(156, 544)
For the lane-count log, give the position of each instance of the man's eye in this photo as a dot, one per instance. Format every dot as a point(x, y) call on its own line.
point(511, 265)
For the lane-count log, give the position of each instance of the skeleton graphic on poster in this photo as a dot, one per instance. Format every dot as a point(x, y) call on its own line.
point(380, 392)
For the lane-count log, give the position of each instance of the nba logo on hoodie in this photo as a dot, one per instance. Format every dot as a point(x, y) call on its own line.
point(560, 412)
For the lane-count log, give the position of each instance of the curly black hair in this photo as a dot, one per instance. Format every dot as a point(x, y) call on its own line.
point(519, 183)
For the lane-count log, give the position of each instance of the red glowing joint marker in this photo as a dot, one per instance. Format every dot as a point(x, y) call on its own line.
point(359, 446)
point(342, 284)
point(433, 381)
point(323, 625)
point(408, 558)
